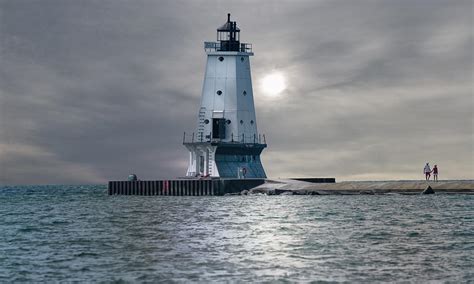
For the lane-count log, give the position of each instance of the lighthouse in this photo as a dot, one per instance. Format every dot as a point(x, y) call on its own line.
point(224, 150)
point(226, 143)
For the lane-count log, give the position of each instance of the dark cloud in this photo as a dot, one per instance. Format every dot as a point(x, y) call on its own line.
point(94, 90)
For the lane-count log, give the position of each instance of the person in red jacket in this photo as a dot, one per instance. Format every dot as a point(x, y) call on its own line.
point(435, 173)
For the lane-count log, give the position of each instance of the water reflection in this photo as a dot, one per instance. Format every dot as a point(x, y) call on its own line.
point(57, 233)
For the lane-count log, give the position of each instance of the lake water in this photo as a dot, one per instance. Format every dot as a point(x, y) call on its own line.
point(79, 233)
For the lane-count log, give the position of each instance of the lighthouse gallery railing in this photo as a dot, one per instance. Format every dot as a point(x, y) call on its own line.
point(210, 46)
point(201, 137)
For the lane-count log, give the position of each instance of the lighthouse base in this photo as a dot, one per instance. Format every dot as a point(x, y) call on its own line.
point(225, 159)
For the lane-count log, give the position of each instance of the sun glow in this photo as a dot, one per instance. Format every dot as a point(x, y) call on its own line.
point(273, 84)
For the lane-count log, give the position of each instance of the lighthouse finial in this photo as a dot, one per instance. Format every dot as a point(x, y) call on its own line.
point(228, 17)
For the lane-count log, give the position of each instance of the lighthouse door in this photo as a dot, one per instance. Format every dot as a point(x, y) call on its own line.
point(218, 128)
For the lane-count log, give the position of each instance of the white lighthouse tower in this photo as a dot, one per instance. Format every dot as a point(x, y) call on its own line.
point(226, 143)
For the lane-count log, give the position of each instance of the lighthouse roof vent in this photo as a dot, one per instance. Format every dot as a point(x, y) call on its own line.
point(229, 26)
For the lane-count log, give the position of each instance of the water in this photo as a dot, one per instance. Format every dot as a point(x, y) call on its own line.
point(78, 233)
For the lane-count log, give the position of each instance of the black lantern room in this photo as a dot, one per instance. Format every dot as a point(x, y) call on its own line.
point(229, 36)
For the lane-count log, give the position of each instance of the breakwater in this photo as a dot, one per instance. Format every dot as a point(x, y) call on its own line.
point(297, 187)
point(323, 186)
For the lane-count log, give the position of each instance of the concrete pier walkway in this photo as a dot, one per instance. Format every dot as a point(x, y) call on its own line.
point(277, 186)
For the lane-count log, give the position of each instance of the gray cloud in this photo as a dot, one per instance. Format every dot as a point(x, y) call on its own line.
point(94, 90)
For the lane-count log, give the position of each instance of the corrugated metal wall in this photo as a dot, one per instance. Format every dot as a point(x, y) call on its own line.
point(182, 187)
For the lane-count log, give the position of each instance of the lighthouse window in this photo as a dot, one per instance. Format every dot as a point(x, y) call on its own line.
point(244, 93)
point(228, 121)
point(241, 122)
point(242, 59)
point(221, 58)
point(206, 121)
point(251, 122)
point(219, 92)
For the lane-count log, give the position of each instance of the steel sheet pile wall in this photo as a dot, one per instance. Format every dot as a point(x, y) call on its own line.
point(182, 187)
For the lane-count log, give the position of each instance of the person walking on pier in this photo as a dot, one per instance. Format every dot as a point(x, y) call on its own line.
point(427, 171)
point(435, 173)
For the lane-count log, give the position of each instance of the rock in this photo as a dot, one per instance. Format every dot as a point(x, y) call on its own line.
point(260, 191)
point(287, 193)
point(282, 191)
point(428, 190)
point(244, 192)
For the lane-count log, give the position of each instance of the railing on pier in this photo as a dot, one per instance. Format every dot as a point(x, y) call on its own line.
point(218, 46)
point(202, 137)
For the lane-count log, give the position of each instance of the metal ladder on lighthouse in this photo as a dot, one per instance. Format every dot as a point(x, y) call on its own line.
point(211, 163)
point(202, 115)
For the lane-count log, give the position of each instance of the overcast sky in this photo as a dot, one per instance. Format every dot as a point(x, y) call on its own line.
point(91, 91)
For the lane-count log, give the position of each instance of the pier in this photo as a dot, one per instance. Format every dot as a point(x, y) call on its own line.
point(299, 187)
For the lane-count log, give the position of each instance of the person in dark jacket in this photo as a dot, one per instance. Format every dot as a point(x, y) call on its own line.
point(435, 173)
